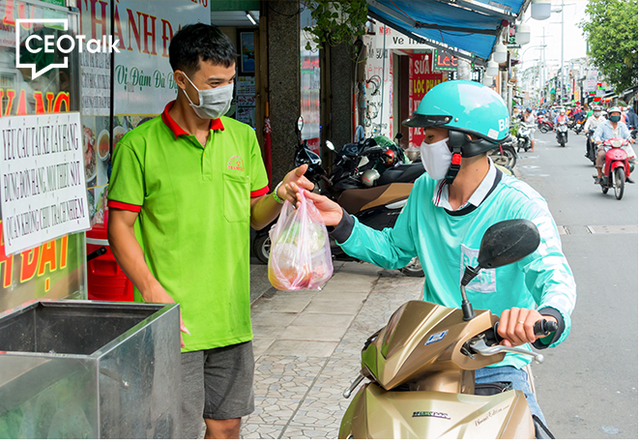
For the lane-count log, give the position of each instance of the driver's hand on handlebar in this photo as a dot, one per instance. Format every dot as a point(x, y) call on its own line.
point(516, 326)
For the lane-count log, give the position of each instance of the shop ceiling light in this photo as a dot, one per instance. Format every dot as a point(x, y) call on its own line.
point(540, 9)
point(523, 34)
point(251, 19)
point(492, 68)
point(500, 54)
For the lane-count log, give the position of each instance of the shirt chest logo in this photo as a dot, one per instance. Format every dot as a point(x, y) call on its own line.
point(235, 163)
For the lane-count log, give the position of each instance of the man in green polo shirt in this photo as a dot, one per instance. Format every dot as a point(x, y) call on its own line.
point(184, 190)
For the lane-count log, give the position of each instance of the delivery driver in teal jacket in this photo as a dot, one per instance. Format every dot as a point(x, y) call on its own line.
point(447, 213)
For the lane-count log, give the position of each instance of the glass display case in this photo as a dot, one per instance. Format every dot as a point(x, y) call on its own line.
point(81, 369)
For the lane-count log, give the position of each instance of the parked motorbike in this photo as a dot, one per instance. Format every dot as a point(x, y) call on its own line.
point(421, 366)
point(616, 167)
point(504, 155)
point(544, 125)
point(375, 198)
point(562, 133)
point(523, 136)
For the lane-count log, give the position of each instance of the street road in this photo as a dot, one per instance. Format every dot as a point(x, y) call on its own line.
point(588, 386)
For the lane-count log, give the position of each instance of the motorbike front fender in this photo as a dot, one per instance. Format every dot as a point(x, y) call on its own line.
point(378, 414)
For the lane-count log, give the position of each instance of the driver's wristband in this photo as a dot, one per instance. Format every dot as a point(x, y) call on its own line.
point(275, 194)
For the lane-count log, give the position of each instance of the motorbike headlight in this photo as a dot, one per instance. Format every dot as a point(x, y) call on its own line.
point(617, 143)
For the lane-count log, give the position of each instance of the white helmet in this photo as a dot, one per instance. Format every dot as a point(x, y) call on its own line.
point(369, 177)
point(614, 109)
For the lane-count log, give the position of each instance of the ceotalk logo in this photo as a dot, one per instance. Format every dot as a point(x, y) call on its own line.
point(51, 44)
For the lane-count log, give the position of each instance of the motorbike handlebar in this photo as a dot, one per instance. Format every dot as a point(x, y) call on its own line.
point(541, 328)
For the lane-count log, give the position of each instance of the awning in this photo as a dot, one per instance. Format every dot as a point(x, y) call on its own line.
point(468, 28)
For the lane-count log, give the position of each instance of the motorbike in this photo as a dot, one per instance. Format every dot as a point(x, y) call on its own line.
point(523, 136)
point(421, 366)
point(504, 155)
point(616, 167)
point(375, 198)
point(578, 126)
point(562, 133)
point(544, 125)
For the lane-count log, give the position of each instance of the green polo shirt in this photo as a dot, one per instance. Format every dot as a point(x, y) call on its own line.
point(193, 223)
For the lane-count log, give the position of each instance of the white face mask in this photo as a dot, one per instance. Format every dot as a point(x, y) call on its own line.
point(436, 158)
point(214, 102)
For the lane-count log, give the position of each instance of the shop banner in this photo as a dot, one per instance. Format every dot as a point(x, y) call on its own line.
point(143, 76)
point(379, 84)
point(421, 80)
point(44, 193)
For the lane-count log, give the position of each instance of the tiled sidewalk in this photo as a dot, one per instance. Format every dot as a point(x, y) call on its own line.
point(307, 348)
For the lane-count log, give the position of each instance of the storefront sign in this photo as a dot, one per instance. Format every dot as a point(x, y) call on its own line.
point(444, 62)
point(421, 80)
point(379, 85)
point(397, 40)
point(44, 194)
point(143, 76)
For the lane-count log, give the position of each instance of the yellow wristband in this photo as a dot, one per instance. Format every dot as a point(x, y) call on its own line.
point(275, 194)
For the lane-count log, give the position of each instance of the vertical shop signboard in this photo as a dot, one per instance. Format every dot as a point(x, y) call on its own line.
point(309, 84)
point(379, 83)
point(143, 78)
point(421, 80)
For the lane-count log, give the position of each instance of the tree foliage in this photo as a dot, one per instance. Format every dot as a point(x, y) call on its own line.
point(337, 21)
point(611, 31)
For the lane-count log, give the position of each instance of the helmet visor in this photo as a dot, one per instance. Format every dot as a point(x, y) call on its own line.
point(423, 121)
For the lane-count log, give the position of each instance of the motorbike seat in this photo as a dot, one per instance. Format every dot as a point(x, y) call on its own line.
point(356, 200)
point(403, 173)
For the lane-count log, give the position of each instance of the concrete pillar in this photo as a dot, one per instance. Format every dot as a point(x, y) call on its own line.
point(283, 29)
point(338, 127)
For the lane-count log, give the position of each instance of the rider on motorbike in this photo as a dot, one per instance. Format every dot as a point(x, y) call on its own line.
point(562, 117)
point(530, 119)
point(592, 123)
point(446, 215)
point(607, 130)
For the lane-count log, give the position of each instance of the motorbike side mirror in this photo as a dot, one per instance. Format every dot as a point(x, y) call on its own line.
point(503, 243)
point(329, 145)
point(399, 136)
point(300, 124)
point(507, 242)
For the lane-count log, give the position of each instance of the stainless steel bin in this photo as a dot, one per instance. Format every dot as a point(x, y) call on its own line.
point(83, 369)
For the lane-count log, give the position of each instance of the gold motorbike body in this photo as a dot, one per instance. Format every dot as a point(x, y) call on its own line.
point(423, 381)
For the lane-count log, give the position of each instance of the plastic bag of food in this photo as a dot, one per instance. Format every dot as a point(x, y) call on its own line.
point(300, 256)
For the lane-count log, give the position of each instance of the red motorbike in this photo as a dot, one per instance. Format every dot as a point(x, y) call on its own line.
point(616, 166)
point(544, 125)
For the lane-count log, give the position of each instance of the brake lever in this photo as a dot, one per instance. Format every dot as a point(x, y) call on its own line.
point(479, 346)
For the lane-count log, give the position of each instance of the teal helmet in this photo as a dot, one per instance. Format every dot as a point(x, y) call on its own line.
point(464, 107)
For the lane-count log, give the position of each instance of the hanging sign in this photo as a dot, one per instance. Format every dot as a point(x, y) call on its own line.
point(44, 191)
point(444, 62)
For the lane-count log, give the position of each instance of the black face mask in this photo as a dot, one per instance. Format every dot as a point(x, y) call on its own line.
point(614, 119)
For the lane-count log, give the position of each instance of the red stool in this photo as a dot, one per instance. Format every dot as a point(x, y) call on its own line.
point(106, 280)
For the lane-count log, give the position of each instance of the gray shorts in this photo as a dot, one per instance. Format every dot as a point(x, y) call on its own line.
point(216, 384)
